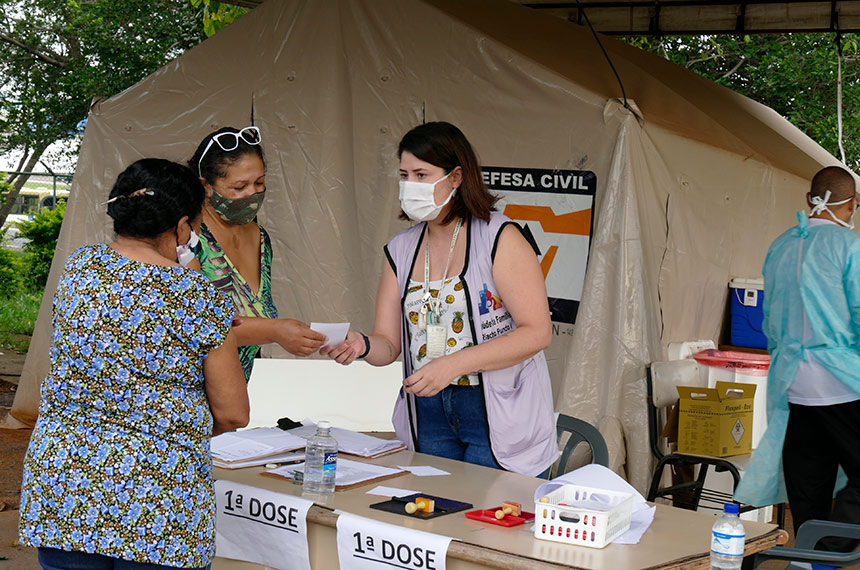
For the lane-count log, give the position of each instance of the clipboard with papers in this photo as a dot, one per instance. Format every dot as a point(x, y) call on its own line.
point(258, 446)
point(349, 473)
point(352, 442)
point(238, 447)
point(286, 458)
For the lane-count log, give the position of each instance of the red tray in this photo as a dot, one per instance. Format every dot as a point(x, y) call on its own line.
point(489, 516)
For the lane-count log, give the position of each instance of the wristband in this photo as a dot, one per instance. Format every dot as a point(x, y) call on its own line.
point(366, 345)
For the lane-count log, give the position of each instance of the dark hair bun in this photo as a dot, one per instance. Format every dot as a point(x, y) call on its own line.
point(151, 196)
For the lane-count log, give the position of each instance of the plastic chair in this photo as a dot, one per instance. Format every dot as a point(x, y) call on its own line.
point(809, 534)
point(580, 431)
point(662, 378)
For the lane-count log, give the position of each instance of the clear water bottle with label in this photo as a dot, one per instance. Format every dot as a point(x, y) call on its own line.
point(727, 540)
point(320, 461)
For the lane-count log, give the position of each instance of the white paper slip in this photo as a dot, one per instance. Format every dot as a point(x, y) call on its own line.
point(365, 544)
point(423, 470)
point(348, 473)
point(383, 491)
point(248, 444)
point(336, 332)
point(261, 526)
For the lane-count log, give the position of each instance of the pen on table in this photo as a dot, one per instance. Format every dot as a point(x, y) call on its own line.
point(277, 464)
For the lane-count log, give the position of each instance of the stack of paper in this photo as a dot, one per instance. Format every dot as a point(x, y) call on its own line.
point(352, 442)
point(254, 447)
point(287, 458)
point(347, 475)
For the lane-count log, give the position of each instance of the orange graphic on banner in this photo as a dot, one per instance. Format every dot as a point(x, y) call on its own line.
point(576, 223)
point(546, 262)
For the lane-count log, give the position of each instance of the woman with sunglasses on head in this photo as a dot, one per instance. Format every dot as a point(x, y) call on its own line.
point(234, 252)
point(463, 298)
point(144, 370)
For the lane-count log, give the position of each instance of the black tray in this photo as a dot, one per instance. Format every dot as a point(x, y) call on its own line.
point(397, 505)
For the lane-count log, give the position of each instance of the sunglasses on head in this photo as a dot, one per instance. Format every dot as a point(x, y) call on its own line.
point(230, 141)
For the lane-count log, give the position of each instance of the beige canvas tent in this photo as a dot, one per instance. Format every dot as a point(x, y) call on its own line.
point(693, 181)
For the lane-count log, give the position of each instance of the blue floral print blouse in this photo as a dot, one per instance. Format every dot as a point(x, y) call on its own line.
point(118, 463)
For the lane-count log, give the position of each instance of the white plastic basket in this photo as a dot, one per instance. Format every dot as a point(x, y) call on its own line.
point(583, 516)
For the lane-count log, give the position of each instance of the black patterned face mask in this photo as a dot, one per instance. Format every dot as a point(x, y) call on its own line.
point(237, 211)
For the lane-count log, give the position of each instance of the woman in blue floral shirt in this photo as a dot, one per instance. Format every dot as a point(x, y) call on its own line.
point(144, 370)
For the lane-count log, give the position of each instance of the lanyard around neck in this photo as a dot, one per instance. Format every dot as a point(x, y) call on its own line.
point(427, 296)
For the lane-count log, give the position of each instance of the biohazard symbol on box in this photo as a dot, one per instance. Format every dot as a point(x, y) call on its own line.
point(738, 431)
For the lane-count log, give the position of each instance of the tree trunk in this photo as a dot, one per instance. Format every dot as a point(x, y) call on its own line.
point(20, 180)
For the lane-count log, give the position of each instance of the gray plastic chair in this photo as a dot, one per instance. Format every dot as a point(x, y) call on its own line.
point(580, 431)
point(809, 534)
point(661, 381)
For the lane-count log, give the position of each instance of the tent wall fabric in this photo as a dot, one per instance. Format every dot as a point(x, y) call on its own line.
point(693, 181)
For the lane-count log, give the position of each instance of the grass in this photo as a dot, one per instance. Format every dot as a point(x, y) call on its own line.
point(17, 318)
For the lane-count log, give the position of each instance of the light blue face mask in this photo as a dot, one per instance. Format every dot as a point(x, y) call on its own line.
point(820, 204)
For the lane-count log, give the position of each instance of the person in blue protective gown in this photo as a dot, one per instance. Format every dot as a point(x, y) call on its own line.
point(812, 322)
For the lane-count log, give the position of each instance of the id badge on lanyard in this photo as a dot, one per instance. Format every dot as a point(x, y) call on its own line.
point(437, 333)
point(437, 337)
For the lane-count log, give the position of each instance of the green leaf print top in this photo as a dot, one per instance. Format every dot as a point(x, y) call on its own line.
point(218, 268)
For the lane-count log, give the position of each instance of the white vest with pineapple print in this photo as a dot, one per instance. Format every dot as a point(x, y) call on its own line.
point(518, 398)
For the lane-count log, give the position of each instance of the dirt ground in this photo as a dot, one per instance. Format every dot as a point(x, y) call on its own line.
point(13, 446)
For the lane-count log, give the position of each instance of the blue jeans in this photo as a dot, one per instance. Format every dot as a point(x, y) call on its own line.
point(55, 559)
point(453, 424)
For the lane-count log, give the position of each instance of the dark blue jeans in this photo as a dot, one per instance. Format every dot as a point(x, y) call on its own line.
point(453, 424)
point(55, 559)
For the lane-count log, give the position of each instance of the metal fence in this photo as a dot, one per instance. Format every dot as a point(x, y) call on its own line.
point(42, 190)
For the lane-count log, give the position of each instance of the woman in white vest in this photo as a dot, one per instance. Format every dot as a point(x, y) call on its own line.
point(463, 298)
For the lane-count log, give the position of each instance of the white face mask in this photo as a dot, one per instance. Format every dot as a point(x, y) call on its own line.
point(820, 204)
point(184, 253)
point(418, 199)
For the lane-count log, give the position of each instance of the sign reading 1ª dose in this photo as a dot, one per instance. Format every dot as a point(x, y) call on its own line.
point(555, 208)
point(365, 544)
point(261, 526)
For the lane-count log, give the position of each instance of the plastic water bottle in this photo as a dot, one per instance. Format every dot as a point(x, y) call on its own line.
point(320, 461)
point(727, 540)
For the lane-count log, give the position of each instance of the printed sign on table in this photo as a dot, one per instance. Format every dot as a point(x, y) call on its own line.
point(555, 208)
point(261, 526)
point(365, 544)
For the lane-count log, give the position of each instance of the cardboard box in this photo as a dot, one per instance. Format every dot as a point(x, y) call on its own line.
point(732, 366)
point(716, 421)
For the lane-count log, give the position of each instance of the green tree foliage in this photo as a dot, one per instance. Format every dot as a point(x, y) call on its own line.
point(11, 269)
point(794, 74)
point(42, 231)
point(217, 15)
point(56, 56)
point(11, 265)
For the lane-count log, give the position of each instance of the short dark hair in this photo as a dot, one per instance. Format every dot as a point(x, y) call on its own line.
point(839, 181)
point(216, 160)
point(150, 196)
point(444, 145)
